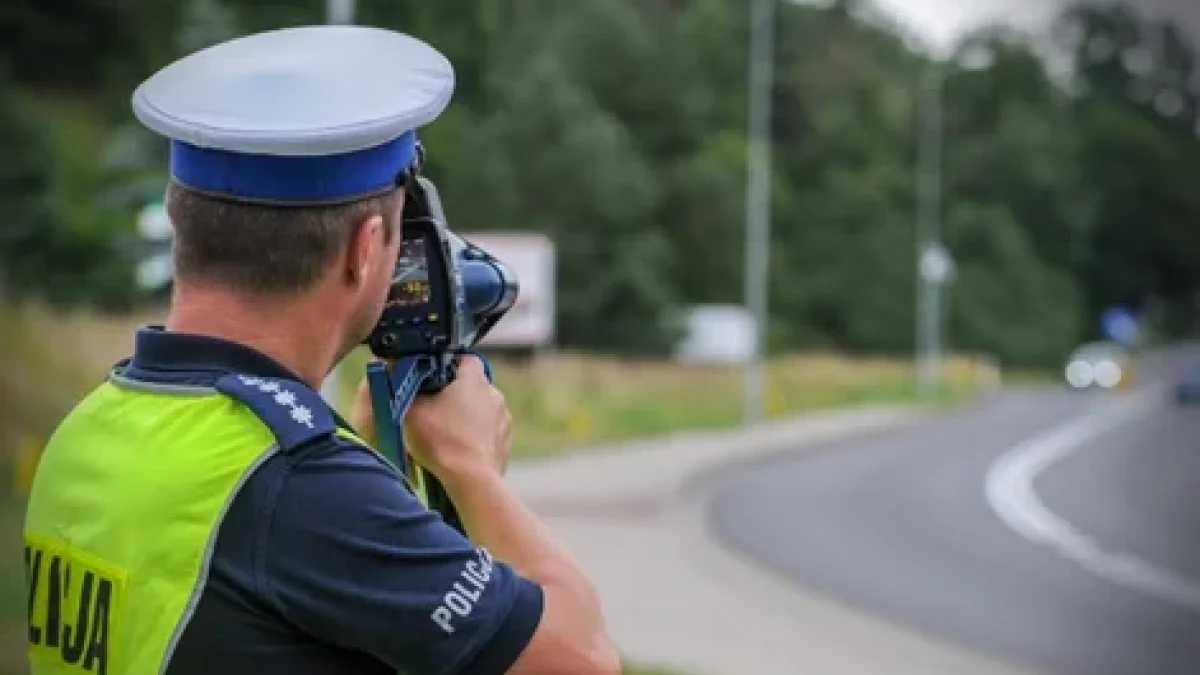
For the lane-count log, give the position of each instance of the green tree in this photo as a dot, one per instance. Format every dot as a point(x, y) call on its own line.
point(41, 254)
point(1137, 111)
point(548, 159)
point(619, 128)
point(1019, 207)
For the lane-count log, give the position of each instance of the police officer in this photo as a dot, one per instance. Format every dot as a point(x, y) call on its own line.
point(204, 510)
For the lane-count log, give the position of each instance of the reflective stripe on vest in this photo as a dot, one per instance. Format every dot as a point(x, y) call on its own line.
point(125, 508)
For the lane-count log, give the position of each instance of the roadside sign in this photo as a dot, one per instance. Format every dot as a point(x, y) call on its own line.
point(532, 258)
point(1119, 324)
point(937, 267)
point(718, 334)
point(153, 223)
point(156, 271)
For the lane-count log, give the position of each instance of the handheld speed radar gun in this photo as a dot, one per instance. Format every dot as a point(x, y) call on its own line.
point(446, 294)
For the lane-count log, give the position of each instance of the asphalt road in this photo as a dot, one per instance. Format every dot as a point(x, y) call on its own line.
point(898, 524)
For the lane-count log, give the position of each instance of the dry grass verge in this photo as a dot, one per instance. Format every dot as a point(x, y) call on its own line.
point(558, 402)
point(564, 402)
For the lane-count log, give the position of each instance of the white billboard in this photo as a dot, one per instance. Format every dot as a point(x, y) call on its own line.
point(530, 323)
point(718, 334)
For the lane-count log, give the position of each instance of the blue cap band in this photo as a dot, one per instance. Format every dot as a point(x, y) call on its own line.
point(293, 179)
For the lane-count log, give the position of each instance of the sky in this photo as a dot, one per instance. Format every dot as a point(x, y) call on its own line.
point(941, 22)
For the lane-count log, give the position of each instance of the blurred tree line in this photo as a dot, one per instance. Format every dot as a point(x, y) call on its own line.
point(618, 127)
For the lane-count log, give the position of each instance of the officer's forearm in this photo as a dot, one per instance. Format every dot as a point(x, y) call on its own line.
point(496, 519)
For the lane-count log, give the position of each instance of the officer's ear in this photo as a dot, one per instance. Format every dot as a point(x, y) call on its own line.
point(367, 242)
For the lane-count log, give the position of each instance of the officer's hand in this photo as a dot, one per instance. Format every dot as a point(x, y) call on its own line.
point(362, 413)
point(463, 429)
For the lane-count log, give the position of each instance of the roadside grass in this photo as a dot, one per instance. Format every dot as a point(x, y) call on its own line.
point(559, 403)
point(1033, 376)
point(12, 588)
point(565, 402)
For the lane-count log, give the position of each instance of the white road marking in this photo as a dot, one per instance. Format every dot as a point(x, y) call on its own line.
point(1010, 493)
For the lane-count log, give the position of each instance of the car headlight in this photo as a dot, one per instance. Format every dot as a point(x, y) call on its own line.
point(1107, 374)
point(1080, 374)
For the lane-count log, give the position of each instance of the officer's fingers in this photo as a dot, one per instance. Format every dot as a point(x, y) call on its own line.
point(362, 418)
point(362, 394)
point(471, 366)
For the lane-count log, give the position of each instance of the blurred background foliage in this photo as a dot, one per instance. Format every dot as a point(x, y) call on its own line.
point(618, 127)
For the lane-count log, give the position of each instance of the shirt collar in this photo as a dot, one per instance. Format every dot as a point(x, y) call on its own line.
point(163, 355)
point(156, 348)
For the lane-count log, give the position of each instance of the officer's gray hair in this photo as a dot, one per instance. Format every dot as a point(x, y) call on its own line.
point(265, 250)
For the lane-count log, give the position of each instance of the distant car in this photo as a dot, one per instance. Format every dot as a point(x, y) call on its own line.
point(1099, 365)
point(1186, 385)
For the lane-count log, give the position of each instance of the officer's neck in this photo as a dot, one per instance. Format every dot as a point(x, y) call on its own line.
point(284, 331)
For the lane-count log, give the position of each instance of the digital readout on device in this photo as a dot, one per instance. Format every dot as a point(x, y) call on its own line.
point(410, 284)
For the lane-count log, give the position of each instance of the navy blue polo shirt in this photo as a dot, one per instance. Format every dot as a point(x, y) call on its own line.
point(326, 564)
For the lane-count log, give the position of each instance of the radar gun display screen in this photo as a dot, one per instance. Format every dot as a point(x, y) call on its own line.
point(410, 286)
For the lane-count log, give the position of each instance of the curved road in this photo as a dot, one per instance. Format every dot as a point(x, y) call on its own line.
point(899, 524)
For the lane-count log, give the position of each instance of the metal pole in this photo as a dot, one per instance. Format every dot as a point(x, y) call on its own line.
point(758, 199)
point(336, 12)
point(934, 329)
point(340, 11)
point(929, 185)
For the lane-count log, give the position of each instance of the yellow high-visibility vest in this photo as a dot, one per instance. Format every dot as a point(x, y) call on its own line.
point(125, 508)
